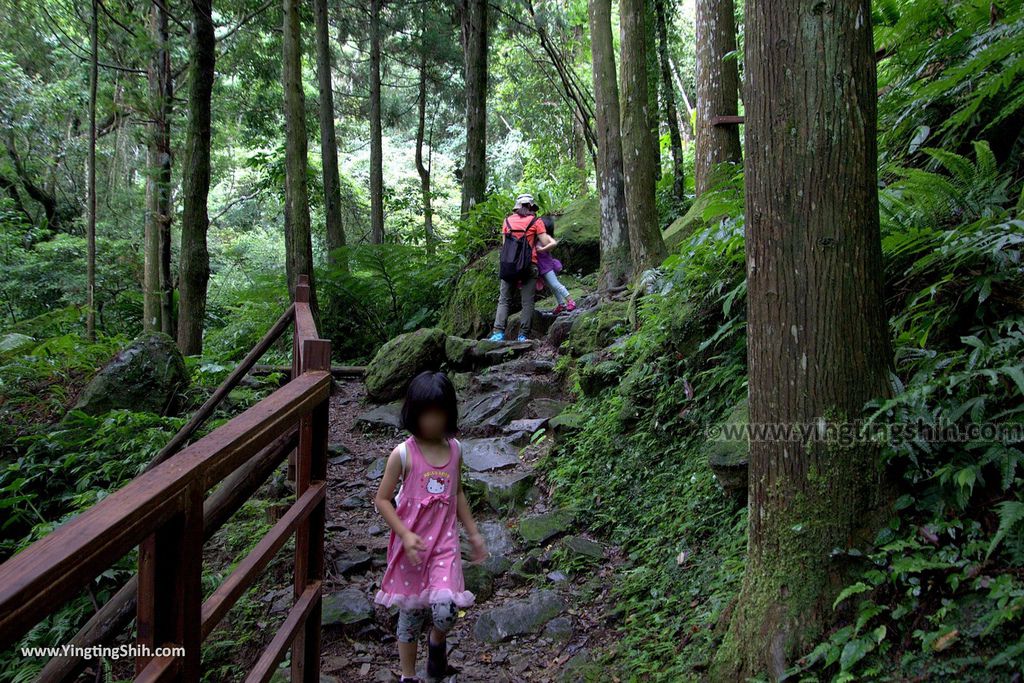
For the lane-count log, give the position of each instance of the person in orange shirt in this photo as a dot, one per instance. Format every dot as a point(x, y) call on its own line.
point(523, 218)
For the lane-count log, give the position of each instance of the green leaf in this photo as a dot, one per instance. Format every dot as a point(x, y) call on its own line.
point(859, 587)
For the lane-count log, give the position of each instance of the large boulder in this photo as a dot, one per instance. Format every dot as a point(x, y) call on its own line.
point(578, 231)
point(147, 376)
point(397, 362)
point(469, 311)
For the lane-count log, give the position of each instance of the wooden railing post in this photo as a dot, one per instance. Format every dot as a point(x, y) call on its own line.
point(309, 536)
point(169, 602)
point(301, 297)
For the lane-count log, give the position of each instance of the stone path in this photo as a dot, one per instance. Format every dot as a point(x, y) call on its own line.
point(542, 593)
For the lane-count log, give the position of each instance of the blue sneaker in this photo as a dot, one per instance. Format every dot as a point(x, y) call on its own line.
point(497, 337)
point(521, 338)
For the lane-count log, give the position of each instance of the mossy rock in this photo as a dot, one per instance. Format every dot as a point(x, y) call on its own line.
point(503, 491)
point(598, 327)
point(578, 231)
point(457, 350)
point(728, 456)
point(469, 311)
point(584, 547)
point(478, 581)
point(146, 376)
point(397, 362)
point(539, 528)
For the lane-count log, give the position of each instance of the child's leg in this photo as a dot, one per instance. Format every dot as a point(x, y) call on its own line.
point(443, 618)
point(410, 622)
point(561, 293)
point(443, 615)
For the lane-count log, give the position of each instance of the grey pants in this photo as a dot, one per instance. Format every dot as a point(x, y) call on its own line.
point(410, 621)
point(527, 292)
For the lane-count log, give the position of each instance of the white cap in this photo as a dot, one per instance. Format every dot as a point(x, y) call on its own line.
point(525, 200)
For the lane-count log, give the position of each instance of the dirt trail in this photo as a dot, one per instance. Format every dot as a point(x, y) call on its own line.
point(357, 537)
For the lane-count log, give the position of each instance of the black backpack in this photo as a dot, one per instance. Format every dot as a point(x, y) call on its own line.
point(516, 254)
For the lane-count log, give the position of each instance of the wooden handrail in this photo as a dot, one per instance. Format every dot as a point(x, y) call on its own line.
point(163, 512)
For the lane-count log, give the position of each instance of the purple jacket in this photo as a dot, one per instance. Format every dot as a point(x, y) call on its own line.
point(546, 262)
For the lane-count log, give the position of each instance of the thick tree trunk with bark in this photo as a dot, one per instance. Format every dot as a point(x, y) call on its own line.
point(717, 89)
point(817, 340)
point(615, 258)
point(668, 99)
point(297, 237)
point(647, 248)
point(328, 138)
point(474, 45)
point(194, 260)
point(653, 81)
point(90, 229)
point(158, 180)
point(376, 133)
point(423, 167)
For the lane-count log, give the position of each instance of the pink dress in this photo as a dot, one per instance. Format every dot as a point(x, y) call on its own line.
point(428, 507)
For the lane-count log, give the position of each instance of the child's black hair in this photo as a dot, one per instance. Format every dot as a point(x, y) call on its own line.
point(430, 390)
point(549, 224)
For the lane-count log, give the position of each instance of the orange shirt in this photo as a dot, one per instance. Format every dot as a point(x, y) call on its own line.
point(518, 224)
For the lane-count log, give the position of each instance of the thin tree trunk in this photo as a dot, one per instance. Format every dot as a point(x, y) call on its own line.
point(717, 90)
point(668, 97)
point(474, 43)
point(647, 247)
point(421, 123)
point(90, 230)
point(298, 238)
point(328, 139)
point(158, 180)
point(817, 339)
point(376, 134)
point(194, 260)
point(615, 259)
point(684, 121)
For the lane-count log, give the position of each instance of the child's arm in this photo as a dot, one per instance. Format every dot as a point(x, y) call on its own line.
point(547, 242)
point(466, 517)
point(392, 472)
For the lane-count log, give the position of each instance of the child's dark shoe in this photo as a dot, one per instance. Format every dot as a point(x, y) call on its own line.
point(437, 659)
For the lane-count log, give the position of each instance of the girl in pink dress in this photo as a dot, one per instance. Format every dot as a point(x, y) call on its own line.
point(424, 571)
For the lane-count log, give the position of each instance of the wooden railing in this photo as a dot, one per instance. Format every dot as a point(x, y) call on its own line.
point(164, 514)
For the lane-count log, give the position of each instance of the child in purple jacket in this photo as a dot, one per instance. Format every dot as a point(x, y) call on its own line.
point(548, 268)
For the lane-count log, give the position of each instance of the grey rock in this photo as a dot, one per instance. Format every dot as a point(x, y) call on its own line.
point(353, 503)
point(353, 561)
point(518, 618)
point(375, 530)
point(482, 455)
point(500, 547)
point(559, 628)
point(346, 607)
point(479, 581)
point(546, 408)
point(729, 458)
point(387, 416)
point(375, 470)
point(557, 576)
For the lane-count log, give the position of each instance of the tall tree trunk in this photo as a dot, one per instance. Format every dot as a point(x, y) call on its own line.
point(717, 90)
point(297, 236)
point(686, 116)
point(817, 340)
point(376, 134)
point(668, 97)
point(653, 81)
point(194, 260)
point(158, 179)
point(615, 259)
point(474, 44)
point(647, 247)
point(421, 123)
point(328, 138)
point(90, 230)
